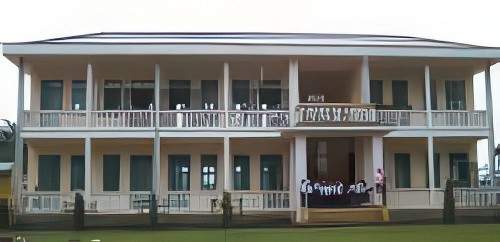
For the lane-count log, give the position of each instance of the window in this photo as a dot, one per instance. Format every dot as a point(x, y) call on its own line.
point(241, 174)
point(140, 173)
point(209, 94)
point(208, 172)
point(377, 91)
point(403, 175)
point(271, 177)
point(78, 94)
point(141, 95)
point(113, 95)
point(77, 172)
point(270, 94)
point(49, 170)
point(51, 95)
point(455, 95)
point(241, 92)
point(111, 173)
point(400, 94)
point(179, 172)
point(460, 172)
point(179, 93)
point(437, 171)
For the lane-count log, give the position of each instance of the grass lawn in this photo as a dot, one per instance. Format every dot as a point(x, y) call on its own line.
point(417, 233)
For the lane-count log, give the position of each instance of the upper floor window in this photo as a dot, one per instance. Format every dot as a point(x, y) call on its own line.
point(113, 95)
point(270, 95)
point(400, 94)
point(126, 95)
point(455, 95)
point(209, 94)
point(241, 94)
point(78, 95)
point(51, 95)
point(377, 91)
point(179, 94)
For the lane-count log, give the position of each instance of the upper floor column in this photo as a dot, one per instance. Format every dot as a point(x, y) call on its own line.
point(293, 86)
point(89, 91)
point(365, 80)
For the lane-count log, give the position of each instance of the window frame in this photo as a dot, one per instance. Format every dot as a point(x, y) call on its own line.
point(208, 161)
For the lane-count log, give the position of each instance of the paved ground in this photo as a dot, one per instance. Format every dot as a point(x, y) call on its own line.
point(390, 233)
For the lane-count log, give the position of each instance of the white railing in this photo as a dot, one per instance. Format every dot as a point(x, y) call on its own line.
point(47, 202)
point(258, 119)
point(477, 197)
point(122, 119)
point(414, 198)
point(189, 202)
point(67, 119)
point(402, 117)
point(192, 119)
point(459, 118)
point(260, 200)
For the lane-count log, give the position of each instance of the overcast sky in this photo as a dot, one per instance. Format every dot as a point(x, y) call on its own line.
point(474, 22)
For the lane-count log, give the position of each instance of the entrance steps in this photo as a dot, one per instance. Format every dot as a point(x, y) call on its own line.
point(345, 215)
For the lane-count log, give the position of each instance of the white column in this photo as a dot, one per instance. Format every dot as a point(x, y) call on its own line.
point(19, 145)
point(373, 152)
point(228, 173)
point(89, 91)
point(226, 92)
point(489, 114)
point(293, 87)
point(430, 165)
point(365, 80)
point(291, 177)
point(300, 172)
point(428, 100)
point(157, 140)
point(88, 173)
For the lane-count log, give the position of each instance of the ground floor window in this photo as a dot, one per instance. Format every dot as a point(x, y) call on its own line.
point(460, 168)
point(140, 173)
point(208, 172)
point(179, 172)
point(402, 171)
point(271, 172)
point(49, 171)
point(241, 174)
point(111, 173)
point(77, 172)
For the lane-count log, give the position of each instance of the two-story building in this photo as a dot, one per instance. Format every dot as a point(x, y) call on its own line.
point(187, 116)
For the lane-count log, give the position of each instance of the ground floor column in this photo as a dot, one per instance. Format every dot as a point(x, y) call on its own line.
point(156, 165)
point(228, 174)
point(373, 156)
point(88, 167)
point(430, 167)
point(300, 164)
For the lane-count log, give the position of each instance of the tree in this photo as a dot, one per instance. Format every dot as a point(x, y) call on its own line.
point(8, 135)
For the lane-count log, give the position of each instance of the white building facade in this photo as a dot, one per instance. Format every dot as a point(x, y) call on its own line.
point(118, 117)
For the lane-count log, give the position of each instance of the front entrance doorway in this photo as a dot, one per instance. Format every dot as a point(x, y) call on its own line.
point(331, 159)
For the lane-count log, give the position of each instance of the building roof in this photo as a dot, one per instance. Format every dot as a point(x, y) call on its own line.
point(254, 43)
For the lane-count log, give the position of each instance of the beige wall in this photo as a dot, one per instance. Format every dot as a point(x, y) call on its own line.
point(128, 147)
point(417, 148)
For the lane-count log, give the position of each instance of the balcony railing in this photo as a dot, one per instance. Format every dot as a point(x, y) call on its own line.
point(456, 118)
point(401, 118)
point(260, 200)
point(258, 119)
point(192, 119)
point(66, 119)
point(122, 119)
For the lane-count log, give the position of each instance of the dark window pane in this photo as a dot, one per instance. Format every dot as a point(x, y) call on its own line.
point(271, 176)
point(455, 95)
point(208, 172)
point(437, 171)
point(460, 168)
point(179, 93)
point(111, 173)
point(402, 165)
point(78, 94)
point(241, 92)
point(51, 95)
point(376, 91)
point(112, 95)
point(142, 95)
point(140, 173)
point(77, 172)
point(270, 94)
point(209, 94)
point(49, 170)
point(241, 172)
point(400, 94)
point(179, 172)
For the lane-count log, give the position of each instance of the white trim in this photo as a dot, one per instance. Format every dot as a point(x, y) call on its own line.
point(242, 49)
